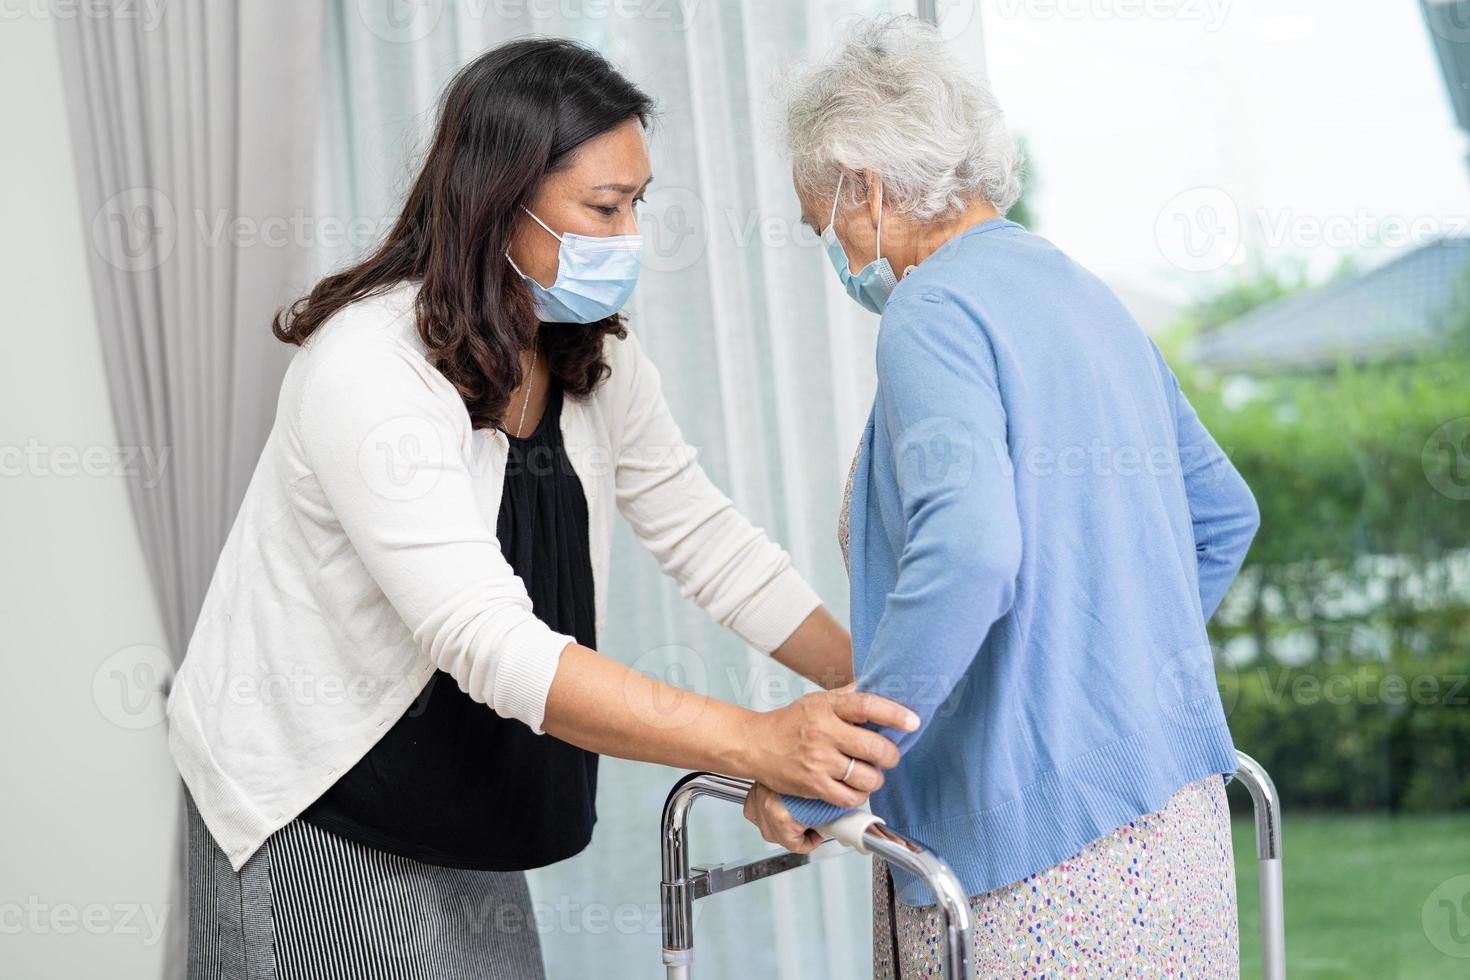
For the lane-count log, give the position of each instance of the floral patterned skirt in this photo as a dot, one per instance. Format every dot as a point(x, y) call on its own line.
point(1155, 898)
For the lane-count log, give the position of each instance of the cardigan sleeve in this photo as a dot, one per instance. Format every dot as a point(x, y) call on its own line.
point(728, 566)
point(388, 444)
point(1222, 508)
point(944, 424)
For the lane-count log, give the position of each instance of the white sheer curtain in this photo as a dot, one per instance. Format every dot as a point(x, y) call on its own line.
point(766, 364)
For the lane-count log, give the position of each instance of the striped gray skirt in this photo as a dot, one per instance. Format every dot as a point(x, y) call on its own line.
point(310, 904)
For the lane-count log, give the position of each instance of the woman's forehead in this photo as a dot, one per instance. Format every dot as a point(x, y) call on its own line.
point(615, 161)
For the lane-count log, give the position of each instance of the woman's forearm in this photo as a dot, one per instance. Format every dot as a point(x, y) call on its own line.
point(598, 704)
point(819, 650)
point(808, 748)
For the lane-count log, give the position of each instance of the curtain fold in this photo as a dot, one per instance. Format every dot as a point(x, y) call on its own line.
point(194, 132)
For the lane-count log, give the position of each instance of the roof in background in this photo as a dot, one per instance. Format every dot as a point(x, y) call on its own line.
point(1449, 29)
point(1390, 311)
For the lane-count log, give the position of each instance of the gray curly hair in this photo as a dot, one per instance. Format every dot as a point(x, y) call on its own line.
point(891, 99)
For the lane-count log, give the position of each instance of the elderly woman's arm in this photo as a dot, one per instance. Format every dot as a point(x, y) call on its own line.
point(946, 427)
point(1221, 506)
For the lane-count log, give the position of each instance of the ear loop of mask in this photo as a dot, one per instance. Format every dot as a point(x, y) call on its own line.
point(541, 223)
point(832, 221)
point(614, 242)
point(836, 197)
point(548, 231)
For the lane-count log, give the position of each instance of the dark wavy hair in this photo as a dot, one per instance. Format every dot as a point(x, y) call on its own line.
point(508, 119)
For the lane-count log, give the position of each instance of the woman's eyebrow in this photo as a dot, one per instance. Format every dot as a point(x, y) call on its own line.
point(625, 188)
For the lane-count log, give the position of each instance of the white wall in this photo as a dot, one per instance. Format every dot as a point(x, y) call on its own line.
point(87, 798)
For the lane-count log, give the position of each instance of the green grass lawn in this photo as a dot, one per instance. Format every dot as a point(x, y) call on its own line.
point(1357, 887)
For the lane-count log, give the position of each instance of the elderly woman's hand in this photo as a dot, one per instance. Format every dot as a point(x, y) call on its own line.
point(763, 807)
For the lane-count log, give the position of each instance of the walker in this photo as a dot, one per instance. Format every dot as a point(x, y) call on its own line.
point(682, 885)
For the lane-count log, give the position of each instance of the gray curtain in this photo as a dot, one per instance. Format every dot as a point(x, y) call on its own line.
point(193, 128)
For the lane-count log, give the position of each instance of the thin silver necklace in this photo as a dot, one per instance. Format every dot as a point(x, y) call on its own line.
point(526, 401)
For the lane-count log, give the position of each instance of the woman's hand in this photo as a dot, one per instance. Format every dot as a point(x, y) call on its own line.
point(764, 808)
point(815, 746)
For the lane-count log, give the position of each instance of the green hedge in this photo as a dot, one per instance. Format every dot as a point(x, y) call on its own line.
point(1337, 460)
point(1378, 735)
point(1361, 553)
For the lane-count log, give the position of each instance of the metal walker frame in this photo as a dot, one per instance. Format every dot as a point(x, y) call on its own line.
point(683, 885)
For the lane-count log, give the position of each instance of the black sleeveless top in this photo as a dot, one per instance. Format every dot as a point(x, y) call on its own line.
point(454, 784)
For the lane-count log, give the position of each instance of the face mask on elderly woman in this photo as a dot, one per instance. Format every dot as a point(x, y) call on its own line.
point(871, 286)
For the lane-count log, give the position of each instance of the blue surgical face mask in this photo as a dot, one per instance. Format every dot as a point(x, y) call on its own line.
point(871, 286)
point(594, 277)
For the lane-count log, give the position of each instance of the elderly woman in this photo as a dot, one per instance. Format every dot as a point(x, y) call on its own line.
point(1038, 528)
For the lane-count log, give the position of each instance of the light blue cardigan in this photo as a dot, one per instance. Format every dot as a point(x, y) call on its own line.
point(1040, 527)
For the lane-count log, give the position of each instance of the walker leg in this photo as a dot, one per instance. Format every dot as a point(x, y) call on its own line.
point(678, 964)
point(1273, 937)
point(1268, 856)
point(681, 886)
point(677, 887)
point(954, 906)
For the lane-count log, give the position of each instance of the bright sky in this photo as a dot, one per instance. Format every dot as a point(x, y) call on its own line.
point(1312, 120)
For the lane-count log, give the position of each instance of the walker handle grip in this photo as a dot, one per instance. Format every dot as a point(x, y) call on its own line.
point(849, 829)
